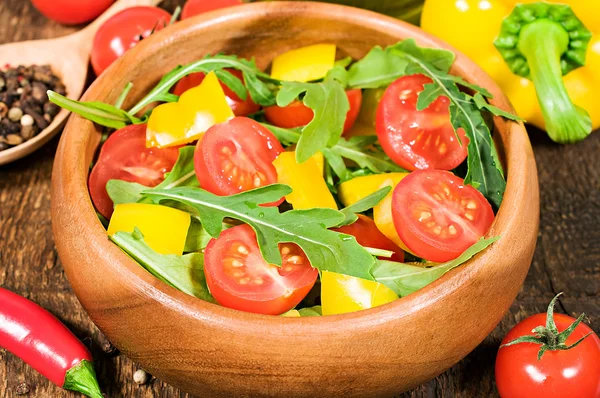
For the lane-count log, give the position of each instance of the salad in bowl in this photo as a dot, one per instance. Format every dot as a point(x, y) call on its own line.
point(322, 186)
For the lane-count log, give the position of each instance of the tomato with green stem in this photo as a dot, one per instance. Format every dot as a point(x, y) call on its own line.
point(561, 359)
point(124, 156)
point(238, 276)
point(236, 156)
point(238, 106)
point(417, 140)
point(437, 216)
point(123, 31)
point(297, 114)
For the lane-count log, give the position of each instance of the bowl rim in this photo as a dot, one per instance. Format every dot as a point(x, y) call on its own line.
point(512, 135)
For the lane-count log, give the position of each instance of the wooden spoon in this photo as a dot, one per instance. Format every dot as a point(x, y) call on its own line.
point(69, 57)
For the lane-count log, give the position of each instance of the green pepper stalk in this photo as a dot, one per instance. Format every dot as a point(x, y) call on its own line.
point(544, 42)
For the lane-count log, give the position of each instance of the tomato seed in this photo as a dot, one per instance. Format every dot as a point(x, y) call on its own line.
point(442, 149)
point(437, 230)
point(452, 230)
point(242, 250)
point(225, 150)
point(471, 205)
point(259, 281)
point(295, 259)
point(469, 216)
point(236, 263)
point(257, 182)
point(227, 167)
point(285, 250)
point(424, 215)
point(244, 281)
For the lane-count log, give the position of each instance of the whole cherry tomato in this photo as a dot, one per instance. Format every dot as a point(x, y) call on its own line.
point(197, 7)
point(123, 31)
point(561, 360)
point(71, 12)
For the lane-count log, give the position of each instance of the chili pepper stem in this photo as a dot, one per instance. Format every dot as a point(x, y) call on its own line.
point(542, 43)
point(82, 378)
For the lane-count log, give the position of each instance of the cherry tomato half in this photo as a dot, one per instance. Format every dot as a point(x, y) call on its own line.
point(297, 114)
point(236, 156)
point(123, 31)
point(366, 233)
point(418, 139)
point(438, 217)
point(71, 12)
point(569, 373)
point(197, 7)
point(238, 276)
point(239, 107)
point(124, 156)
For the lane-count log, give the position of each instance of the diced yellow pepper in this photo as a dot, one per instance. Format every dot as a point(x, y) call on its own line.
point(382, 214)
point(343, 293)
point(304, 64)
point(358, 188)
point(181, 122)
point(291, 314)
point(164, 228)
point(306, 180)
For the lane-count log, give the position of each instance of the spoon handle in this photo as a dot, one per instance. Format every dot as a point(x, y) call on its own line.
point(85, 37)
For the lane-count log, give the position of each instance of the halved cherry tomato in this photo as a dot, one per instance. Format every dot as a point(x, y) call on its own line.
point(71, 12)
point(297, 114)
point(123, 31)
point(418, 139)
point(438, 217)
point(124, 156)
point(239, 107)
point(366, 233)
point(238, 276)
point(197, 7)
point(236, 156)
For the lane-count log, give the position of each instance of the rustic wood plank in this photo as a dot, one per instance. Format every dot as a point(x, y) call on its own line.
point(567, 257)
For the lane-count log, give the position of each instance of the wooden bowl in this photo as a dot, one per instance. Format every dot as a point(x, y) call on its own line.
point(212, 351)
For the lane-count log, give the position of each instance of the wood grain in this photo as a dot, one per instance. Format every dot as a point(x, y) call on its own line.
point(567, 257)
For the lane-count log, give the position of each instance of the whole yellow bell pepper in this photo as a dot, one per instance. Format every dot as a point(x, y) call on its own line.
point(343, 293)
point(309, 189)
point(527, 48)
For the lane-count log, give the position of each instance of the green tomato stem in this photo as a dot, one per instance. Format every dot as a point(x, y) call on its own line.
point(542, 43)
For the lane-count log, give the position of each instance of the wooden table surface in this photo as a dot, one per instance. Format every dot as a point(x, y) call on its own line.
point(567, 258)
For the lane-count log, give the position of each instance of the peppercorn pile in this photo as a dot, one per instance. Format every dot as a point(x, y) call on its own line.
point(24, 106)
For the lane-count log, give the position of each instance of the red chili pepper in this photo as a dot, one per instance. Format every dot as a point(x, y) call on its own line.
point(44, 343)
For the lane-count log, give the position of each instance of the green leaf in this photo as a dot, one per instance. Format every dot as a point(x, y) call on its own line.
point(377, 69)
point(366, 203)
point(484, 169)
point(481, 104)
point(259, 91)
point(98, 112)
point(339, 74)
point(185, 273)
point(233, 83)
point(311, 311)
point(197, 238)
point(327, 250)
point(329, 103)
point(182, 175)
point(441, 60)
point(344, 62)
point(405, 279)
point(287, 137)
point(361, 150)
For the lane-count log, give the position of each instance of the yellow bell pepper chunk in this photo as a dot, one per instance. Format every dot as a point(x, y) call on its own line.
point(291, 314)
point(342, 293)
point(304, 64)
point(165, 229)
point(306, 180)
point(181, 122)
point(358, 188)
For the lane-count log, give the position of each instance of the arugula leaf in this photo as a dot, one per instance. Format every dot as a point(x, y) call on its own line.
point(327, 250)
point(98, 112)
point(377, 69)
point(329, 104)
point(484, 169)
point(405, 279)
point(481, 104)
point(197, 238)
point(366, 203)
point(359, 149)
point(344, 62)
point(259, 91)
point(181, 175)
point(287, 137)
point(185, 273)
point(311, 311)
point(380, 67)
